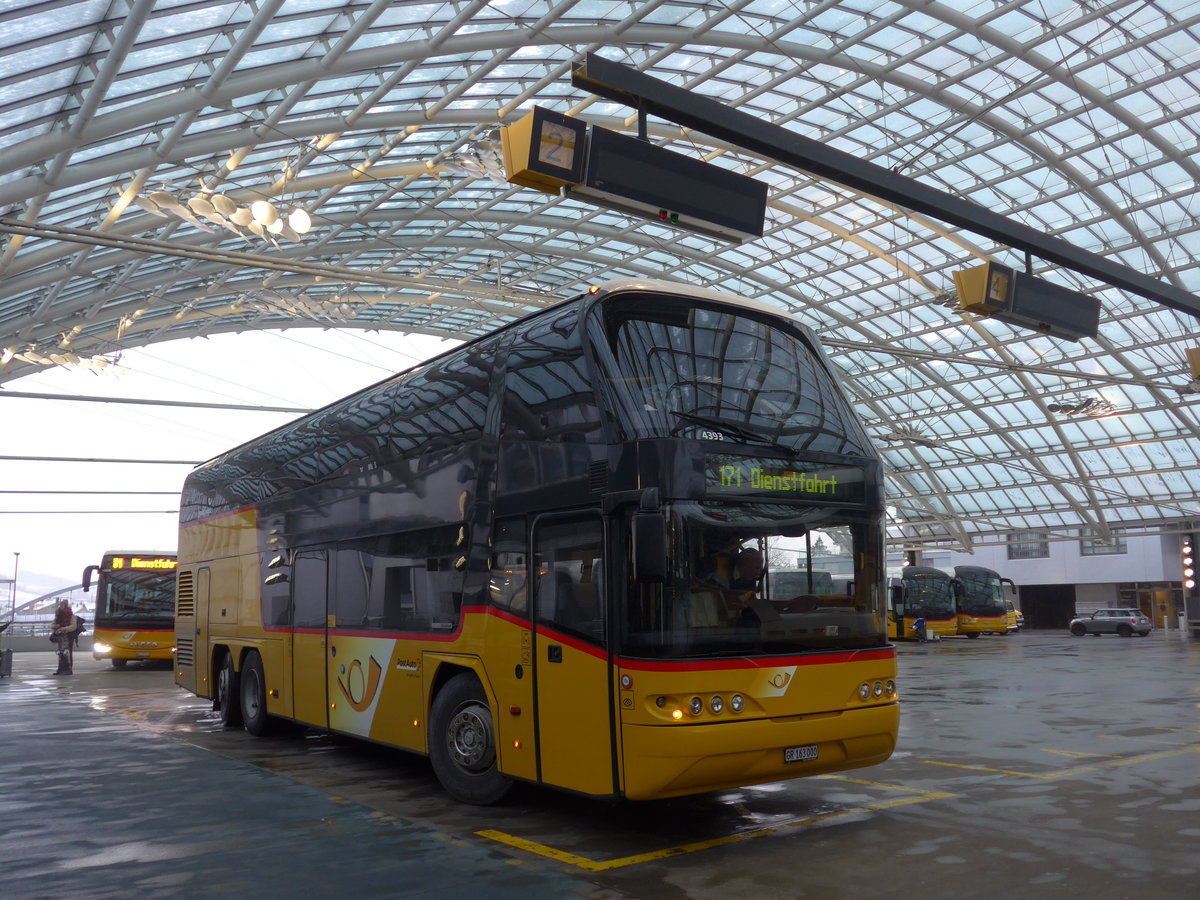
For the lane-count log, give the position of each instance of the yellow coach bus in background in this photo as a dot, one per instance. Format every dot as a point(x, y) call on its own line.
point(135, 606)
point(982, 606)
point(520, 558)
point(928, 604)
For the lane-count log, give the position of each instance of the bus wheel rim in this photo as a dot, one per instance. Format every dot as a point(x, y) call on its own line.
point(250, 700)
point(469, 738)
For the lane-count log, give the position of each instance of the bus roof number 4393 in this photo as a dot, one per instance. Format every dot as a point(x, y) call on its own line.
point(807, 753)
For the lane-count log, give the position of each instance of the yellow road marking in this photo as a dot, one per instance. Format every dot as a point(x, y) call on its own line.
point(594, 865)
point(1079, 754)
point(1077, 770)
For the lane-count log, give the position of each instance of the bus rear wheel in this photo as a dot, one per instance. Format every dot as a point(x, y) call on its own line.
point(254, 696)
point(462, 743)
point(228, 697)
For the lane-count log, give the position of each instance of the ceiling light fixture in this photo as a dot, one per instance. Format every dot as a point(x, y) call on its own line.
point(260, 218)
point(1082, 406)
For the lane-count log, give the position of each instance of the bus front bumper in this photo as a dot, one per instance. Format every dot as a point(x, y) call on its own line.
point(676, 760)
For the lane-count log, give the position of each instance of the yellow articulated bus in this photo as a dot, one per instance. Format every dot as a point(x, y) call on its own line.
point(135, 606)
point(982, 606)
point(544, 555)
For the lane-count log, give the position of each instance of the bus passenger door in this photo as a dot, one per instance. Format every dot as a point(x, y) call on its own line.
point(574, 694)
point(310, 574)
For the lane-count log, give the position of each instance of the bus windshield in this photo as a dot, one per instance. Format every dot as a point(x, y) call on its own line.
point(717, 373)
point(755, 579)
point(983, 594)
point(142, 596)
point(930, 595)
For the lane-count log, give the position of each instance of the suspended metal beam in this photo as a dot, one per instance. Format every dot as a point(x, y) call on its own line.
point(623, 84)
point(251, 260)
point(29, 395)
point(86, 459)
point(85, 512)
point(121, 493)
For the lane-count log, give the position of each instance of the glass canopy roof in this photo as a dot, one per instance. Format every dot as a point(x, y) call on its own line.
point(134, 143)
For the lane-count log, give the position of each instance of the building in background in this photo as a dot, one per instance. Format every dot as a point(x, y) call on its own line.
point(1058, 578)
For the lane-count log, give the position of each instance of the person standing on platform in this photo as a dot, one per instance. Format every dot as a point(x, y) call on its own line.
point(63, 634)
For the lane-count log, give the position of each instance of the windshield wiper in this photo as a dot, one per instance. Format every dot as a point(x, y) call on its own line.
point(737, 429)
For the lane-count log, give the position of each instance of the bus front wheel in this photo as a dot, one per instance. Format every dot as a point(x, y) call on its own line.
point(254, 696)
point(228, 699)
point(119, 663)
point(462, 743)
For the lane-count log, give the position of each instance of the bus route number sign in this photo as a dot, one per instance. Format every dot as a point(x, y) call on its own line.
point(806, 753)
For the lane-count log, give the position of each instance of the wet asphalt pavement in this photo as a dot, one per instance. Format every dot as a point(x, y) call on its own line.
point(1034, 765)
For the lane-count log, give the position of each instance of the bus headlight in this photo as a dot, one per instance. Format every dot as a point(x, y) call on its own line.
point(878, 690)
point(696, 706)
point(736, 703)
point(864, 691)
point(101, 647)
point(890, 687)
point(716, 704)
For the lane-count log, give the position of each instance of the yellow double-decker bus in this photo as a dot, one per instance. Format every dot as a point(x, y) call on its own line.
point(982, 607)
point(526, 558)
point(135, 606)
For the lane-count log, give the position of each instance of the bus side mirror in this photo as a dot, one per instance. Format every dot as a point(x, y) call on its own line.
point(649, 547)
point(87, 577)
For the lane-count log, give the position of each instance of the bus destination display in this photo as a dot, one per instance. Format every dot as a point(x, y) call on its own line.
point(770, 478)
point(141, 562)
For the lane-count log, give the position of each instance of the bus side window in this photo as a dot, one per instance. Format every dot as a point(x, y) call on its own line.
point(308, 589)
point(409, 581)
point(508, 585)
point(569, 591)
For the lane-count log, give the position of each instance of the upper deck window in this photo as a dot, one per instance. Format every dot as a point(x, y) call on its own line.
point(698, 369)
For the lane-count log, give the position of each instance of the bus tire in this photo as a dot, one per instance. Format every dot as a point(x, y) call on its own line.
point(462, 743)
point(228, 696)
point(119, 663)
point(972, 634)
point(254, 696)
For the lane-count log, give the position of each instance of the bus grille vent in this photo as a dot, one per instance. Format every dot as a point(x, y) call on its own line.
point(185, 651)
point(185, 593)
point(598, 477)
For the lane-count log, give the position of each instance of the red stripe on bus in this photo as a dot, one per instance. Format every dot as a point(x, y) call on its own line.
point(769, 662)
point(645, 665)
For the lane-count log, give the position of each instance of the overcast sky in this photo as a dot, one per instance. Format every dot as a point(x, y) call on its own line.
point(298, 368)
